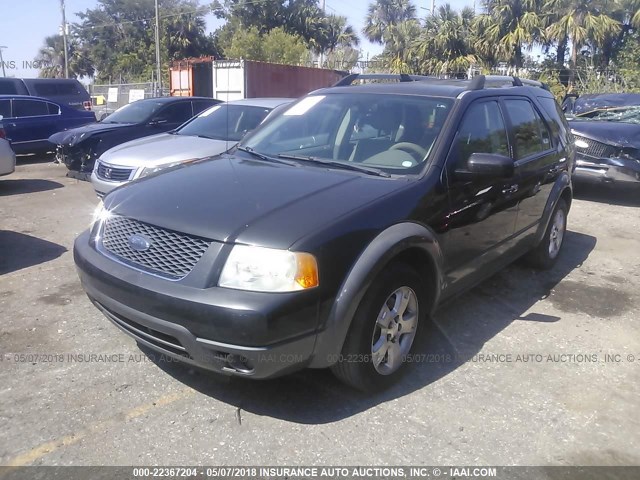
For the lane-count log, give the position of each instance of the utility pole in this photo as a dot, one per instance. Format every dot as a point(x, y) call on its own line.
point(433, 7)
point(4, 74)
point(64, 39)
point(324, 14)
point(158, 67)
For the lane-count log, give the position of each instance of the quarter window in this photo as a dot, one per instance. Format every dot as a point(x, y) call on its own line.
point(482, 131)
point(531, 134)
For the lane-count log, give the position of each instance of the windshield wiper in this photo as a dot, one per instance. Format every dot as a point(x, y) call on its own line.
point(264, 157)
point(336, 164)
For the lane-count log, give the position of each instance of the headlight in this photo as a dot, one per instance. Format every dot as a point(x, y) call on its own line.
point(100, 213)
point(151, 170)
point(268, 270)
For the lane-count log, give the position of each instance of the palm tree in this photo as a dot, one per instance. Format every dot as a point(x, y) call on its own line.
point(582, 22)
point(398, 52)
point(512, 25)
point(444, 45)
point(51, 58)
point(336, 33)
point(382, 14)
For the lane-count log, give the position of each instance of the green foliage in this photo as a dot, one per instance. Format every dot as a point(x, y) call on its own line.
point(51, 55)
point(276, 46)
point(627, 61)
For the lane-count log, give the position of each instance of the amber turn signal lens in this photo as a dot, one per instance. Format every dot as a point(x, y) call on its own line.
point(307, 274)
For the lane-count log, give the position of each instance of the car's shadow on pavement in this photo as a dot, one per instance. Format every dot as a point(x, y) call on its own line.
point(620, 195)
point(41, 157)
point(26, 185)
point(20, 251)
point(460, 330)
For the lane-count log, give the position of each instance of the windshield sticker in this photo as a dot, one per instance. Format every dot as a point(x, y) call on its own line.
point(304, 106)
point(206, 113)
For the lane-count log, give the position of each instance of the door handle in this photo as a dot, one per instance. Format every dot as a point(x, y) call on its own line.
point(510, 190)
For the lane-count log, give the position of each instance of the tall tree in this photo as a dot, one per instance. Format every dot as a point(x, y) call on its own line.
point(512, 26)
point(51, 58)
point(119, 36)
point(582, 22)
point(445, 43)
point(383, 14)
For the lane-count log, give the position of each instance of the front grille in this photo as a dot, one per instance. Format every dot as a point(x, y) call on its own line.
point(167, 253)
point(113, 174)
point(596, 149)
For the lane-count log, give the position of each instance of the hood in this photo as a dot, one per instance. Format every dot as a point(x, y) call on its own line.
point(164, 148)
point(235, 199)
point(74, 135)
point(588, 102)
point(620, 134)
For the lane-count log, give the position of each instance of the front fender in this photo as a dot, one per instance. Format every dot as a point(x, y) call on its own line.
point(382, 249)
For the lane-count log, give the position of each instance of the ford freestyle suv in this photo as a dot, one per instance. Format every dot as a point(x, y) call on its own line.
point(329, 235)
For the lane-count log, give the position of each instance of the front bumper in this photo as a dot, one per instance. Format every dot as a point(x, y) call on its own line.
point(228, 331)
point(102, 187)
point(607, 170)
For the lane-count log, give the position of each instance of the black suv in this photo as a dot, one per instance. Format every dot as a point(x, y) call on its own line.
point(331, 232)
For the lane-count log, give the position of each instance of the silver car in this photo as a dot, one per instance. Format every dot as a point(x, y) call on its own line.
point(7, 158)
point(210, 133)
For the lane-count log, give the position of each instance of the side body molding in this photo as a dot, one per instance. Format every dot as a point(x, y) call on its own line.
point(387, 245)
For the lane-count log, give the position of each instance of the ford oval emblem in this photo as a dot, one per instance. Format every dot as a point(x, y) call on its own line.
point(139, 243)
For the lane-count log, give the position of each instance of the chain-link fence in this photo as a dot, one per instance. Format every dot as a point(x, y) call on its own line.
point(107, 98)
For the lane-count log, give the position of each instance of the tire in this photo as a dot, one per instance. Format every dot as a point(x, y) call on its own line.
point(398, 288)
point(545, 255)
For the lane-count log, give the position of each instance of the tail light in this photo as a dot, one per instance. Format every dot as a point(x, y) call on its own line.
point(87, 105)
point(3, 134)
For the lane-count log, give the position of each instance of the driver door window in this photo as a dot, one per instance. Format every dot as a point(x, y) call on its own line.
point(482, 131)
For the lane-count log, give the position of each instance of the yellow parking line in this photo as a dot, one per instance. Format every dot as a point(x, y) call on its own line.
point(53, 445)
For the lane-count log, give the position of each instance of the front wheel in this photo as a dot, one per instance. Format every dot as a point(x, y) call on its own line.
point(383, 330)
point(544, 256)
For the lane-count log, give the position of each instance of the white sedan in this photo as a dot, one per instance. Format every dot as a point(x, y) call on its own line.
point(210, 133)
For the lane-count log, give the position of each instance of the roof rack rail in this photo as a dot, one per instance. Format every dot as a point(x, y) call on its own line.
point(402, 77)
point(479, 82)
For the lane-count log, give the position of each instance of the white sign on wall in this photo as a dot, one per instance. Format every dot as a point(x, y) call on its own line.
point(112, 95)
point(136, 94)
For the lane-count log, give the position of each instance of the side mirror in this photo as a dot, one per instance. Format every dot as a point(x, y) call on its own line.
point(490, 165)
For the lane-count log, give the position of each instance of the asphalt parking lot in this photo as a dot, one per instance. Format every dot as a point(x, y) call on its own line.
point(528, 368)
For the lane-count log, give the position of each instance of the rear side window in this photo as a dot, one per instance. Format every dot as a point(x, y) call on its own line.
point(201, 106)
point(5, 108)
point(30, 108)
point(53, 109)
point(47, 89)
point(552, 109)
point(177, 113)
point(482, 131)
point(530, 133)
point(8, 88)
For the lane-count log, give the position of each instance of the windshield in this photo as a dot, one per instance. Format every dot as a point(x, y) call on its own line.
point(391, 133)
point(624, 114)
point(225, 122)
point(136, 112)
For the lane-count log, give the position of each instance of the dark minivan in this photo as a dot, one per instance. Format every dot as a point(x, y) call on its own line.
point(67, 91)
point(329, 235)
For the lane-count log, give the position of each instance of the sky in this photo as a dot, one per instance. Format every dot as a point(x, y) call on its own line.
point(25, 23)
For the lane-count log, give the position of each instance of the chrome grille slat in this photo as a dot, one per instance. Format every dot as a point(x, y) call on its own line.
point(171, 254)
point(113, 174)
point(596, 149)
